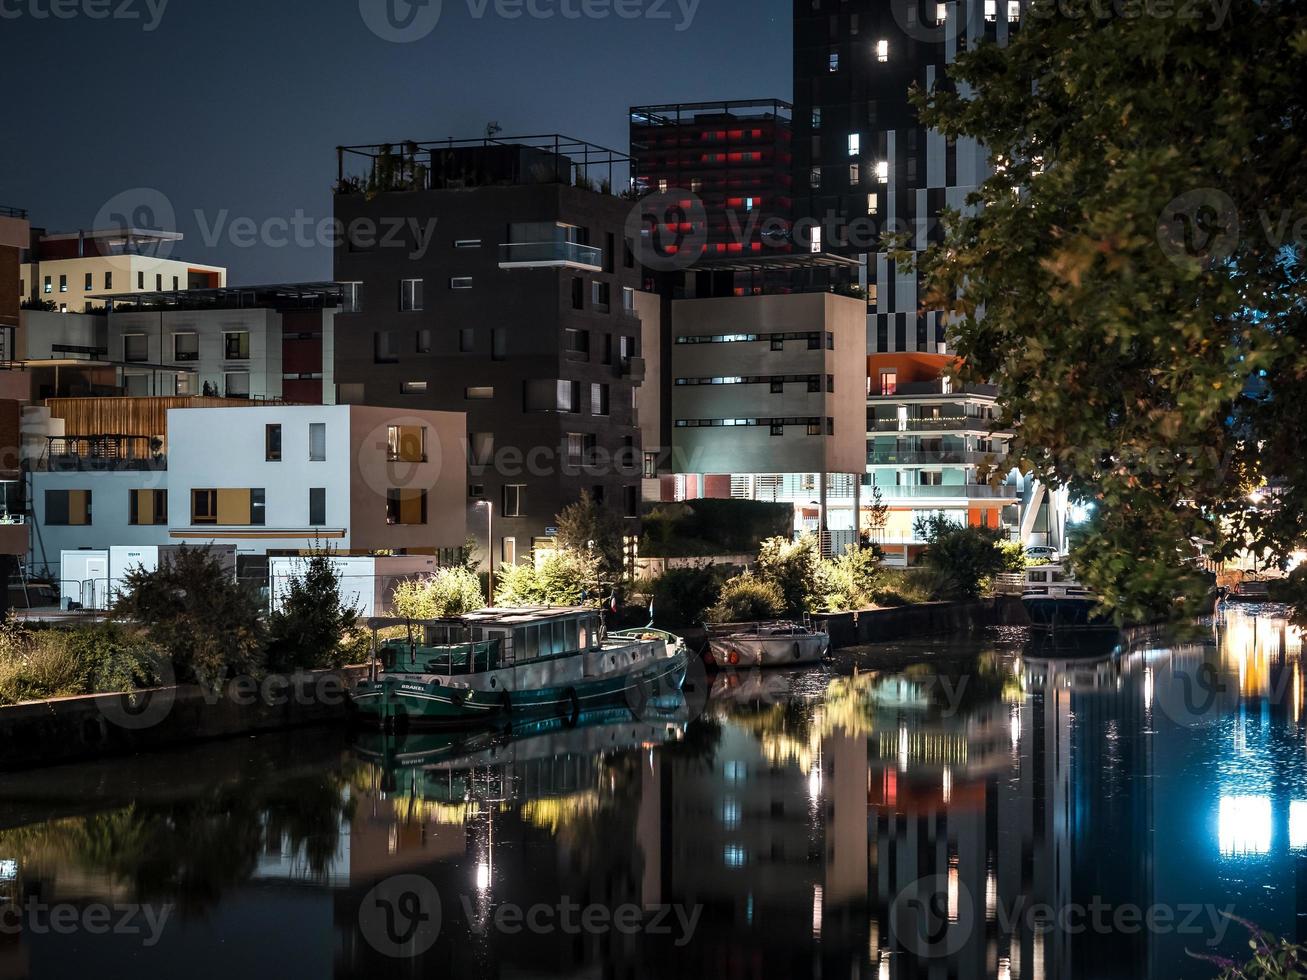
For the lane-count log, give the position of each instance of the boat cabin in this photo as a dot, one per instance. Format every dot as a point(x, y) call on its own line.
point(527, 634)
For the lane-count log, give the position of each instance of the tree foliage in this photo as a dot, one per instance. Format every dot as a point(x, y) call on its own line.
point(746, 599)
point(1129, 276)
point(195, 612)
point(682, 596)
point(308, 626)
point(794, 568)
point(446, 592)
point(962, 558)
point(565, 577)
point(585, 526)
point(853, 579)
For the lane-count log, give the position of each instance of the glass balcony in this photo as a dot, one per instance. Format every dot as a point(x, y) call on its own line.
point(967, 491)
point(926, 457)
point(545, 255)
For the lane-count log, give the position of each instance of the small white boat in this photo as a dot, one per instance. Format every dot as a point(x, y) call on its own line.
point(780, 644)
point(1054, 600)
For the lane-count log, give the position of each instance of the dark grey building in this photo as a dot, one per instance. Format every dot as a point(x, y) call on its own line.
point(863, 161)
point(494, 278)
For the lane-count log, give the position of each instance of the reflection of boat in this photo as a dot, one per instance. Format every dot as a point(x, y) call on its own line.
point(498, 665)
point(450, 767)
point(1054, 600)
point(779, 644)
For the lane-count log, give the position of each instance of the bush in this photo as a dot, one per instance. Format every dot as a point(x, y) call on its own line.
point(904, 586)
point(193, 610)
point(41, 664)
point(746, 599)
point(964, 558)
point(682, 596)
point(307, 629)
point(564, 578)
point(447, 592)
point(852, 579)
point(584, 522)
point(795, 569)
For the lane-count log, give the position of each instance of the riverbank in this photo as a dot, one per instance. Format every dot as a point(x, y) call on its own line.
point(46, 733)
point(920, 619)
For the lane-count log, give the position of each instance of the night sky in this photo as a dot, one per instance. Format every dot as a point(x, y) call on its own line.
point(237, 105)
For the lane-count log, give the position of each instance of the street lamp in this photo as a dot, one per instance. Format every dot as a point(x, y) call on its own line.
point(490, 551)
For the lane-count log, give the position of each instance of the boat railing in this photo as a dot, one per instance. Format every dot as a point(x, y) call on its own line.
point(641, 633)
point(773, 628)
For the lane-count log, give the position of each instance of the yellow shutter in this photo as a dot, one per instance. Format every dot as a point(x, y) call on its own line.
point(144, 506)
point(410, 507)
point(233, 508)
point(79, 507)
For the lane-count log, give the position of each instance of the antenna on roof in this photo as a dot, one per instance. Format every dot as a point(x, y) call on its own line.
point(493, 129)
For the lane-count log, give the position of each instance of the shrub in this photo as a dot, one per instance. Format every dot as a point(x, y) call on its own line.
point(852, 578)
point(682, 596)
point(964, 558)
point(40, 664)
point(795, 569)
point(747, 599)
point(114, 657)
point(192, 609)
point(904, 586)
point(447, 592)
point(307, 629)
point(564, 578)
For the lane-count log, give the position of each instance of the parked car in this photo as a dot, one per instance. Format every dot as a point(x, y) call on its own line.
point(1043, 553)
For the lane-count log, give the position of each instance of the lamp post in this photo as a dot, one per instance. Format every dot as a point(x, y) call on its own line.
point(490, 551)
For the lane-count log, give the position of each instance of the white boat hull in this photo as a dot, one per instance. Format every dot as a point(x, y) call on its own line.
point(768, 651)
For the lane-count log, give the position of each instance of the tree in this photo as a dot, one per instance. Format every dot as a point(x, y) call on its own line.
point(746, 599)
point(311, 621)
point(564, 578)
point(193, 610)
point(961, 557)
point(682, 596)
point(1126, 276)
point(447, 592)
point(795, 569)
point(586, 523)
point(879, 514)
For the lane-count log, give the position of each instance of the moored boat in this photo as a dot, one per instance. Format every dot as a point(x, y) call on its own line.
point(1054, 600)
point(497, 666)
point(779, 644)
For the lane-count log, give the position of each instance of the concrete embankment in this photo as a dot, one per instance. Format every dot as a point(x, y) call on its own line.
point(921, 619)
point(73, 729)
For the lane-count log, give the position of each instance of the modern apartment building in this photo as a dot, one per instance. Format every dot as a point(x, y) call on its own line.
point(271, 341)
point(863, 161)
point(932, 449)
point(14, 384)
point(733, 158)
point(506, 292)
point(264, 479)
point(767, 403)
point(72, 271)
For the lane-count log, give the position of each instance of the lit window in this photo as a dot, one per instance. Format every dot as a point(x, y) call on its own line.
point(814, 177)
point(816, 240)
point(834, 61)
point(873, 201)
point(662, 185)
point(991, 10)
point(855, 174)
point(882, 171)
point(855, 144)
point(941, 13)
point(882, 50)
point(816, 117)
point(1013, 10)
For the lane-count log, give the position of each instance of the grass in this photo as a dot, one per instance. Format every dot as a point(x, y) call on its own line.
point(36, 665)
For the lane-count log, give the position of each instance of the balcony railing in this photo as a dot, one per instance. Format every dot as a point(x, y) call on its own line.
point(109, 452)
point(545, 255)
point(894, 457)
point(969, 491)
point(972, 422)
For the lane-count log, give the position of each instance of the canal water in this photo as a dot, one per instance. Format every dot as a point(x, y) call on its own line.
point(975, 807)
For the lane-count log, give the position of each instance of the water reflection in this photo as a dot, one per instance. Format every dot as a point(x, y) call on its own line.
point(951, 808)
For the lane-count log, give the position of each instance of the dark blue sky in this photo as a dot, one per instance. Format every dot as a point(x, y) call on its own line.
point(237, 105)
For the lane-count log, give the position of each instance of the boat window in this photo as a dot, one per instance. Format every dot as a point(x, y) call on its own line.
point(569, 636)
point(527, 644)
point(1058, 577)
point(585, 636)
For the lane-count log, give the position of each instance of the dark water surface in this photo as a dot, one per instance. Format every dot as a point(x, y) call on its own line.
point(942, 808)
